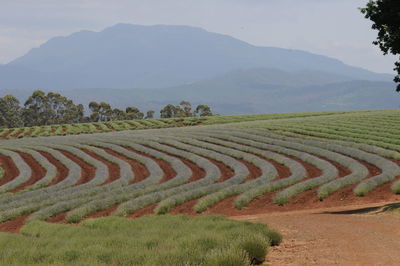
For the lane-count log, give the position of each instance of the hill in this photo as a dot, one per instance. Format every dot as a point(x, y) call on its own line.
point(133, 56)
point(258, 90)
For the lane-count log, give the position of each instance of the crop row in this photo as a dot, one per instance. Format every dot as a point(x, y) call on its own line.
point(88, 185)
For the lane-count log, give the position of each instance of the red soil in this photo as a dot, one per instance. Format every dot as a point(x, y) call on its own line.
point(133, 125)
point(5, 136)
point(113, 169)
point(226, 171)
point(144, 211)
point(169, 172)
point(254, 171)
point(19, 132)
point(88, 171)
point(38, 172)
point(59, 218)
point(62, 171)
point(14, 225)
point(138, 169)
point(98, 128)
point(27, 134)
point(109, 126)
point(103, 213)
point(197, 172)
point(10, 169)
point(308, 199)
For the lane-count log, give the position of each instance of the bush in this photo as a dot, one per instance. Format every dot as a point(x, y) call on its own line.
point(227, 257)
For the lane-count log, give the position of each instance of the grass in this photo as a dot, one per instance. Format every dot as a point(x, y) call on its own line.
point(395, 207)
point(149, 240)
point(99, 127)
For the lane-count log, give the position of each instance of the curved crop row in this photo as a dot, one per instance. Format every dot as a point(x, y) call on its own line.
point(260, 186)
point(23, 169)
point(390, 170)
point(268, 172)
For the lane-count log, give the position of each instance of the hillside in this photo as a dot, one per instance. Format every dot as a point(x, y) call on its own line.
point(133, 56)
point(259, 90)
point(297, 172)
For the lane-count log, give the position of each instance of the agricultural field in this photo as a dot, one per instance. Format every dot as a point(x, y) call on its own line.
point(137, 124)
point(224, 165)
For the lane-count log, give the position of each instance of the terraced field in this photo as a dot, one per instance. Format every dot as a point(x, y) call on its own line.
point(112, 126)
point(275, 162)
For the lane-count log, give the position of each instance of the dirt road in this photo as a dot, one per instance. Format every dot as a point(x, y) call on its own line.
point(351, 235)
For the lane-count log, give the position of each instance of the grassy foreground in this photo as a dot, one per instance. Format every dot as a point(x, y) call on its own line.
point(149, 240)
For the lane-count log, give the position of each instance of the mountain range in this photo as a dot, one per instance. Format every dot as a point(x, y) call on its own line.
point(149, 66)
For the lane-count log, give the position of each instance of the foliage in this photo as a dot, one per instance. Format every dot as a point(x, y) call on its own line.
point(150, 240)
point(385, 15)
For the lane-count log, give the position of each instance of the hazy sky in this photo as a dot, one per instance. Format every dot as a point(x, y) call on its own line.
point(334, 28)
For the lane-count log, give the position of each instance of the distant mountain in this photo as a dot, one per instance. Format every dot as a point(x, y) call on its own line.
point(132, 56)
point(260, 90)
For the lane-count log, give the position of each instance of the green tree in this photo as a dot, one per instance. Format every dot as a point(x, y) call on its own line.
point(53, 108)
point(170, 111)
point(150, 114)
point(35, 107)
point(94, 109)
point(100, 112)
point(118, 114)
point(385, 15)
point(186, 109)
point(203, 110)
point(10, 112)
point(133, 112)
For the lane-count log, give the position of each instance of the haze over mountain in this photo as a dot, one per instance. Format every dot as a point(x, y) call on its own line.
point(132, 56)
point(149, 66)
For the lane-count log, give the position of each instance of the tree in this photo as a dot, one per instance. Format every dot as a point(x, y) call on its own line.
point(203, 110)
point(133, 112)
point(150, 114)
point(33, 113)
point(10, 112)
point(186, 109)
point(118, 114)
point(170, 111)
point(94, 109)
point(100, 112)
point(53, 108)
point(385, 15)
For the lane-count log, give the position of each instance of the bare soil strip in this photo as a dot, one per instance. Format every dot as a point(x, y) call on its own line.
point(5, 136)
point(254, 171)
point(19, 132)
point(62, 170)
point(38, 172)
point(10, 169)
point(169, 172)
point(113, 169)
point(138, 169)
point(348, 235)
point(88, 171)
point(14, 225)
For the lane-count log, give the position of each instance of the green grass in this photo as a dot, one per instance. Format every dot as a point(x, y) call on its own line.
point(395, 207)
point(149, 240)
point(98, 127)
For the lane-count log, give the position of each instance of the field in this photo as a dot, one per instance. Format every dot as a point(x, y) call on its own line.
point(235, 165)
point(167, 240)
point(101, 127)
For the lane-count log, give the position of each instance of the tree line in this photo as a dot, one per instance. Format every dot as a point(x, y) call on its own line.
point(53, 108)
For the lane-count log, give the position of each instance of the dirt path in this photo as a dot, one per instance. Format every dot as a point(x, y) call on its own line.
point(351, 235)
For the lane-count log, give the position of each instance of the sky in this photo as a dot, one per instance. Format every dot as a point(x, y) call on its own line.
point(334, 28)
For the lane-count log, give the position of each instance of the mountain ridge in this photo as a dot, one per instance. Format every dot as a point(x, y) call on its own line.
point(159, 56)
